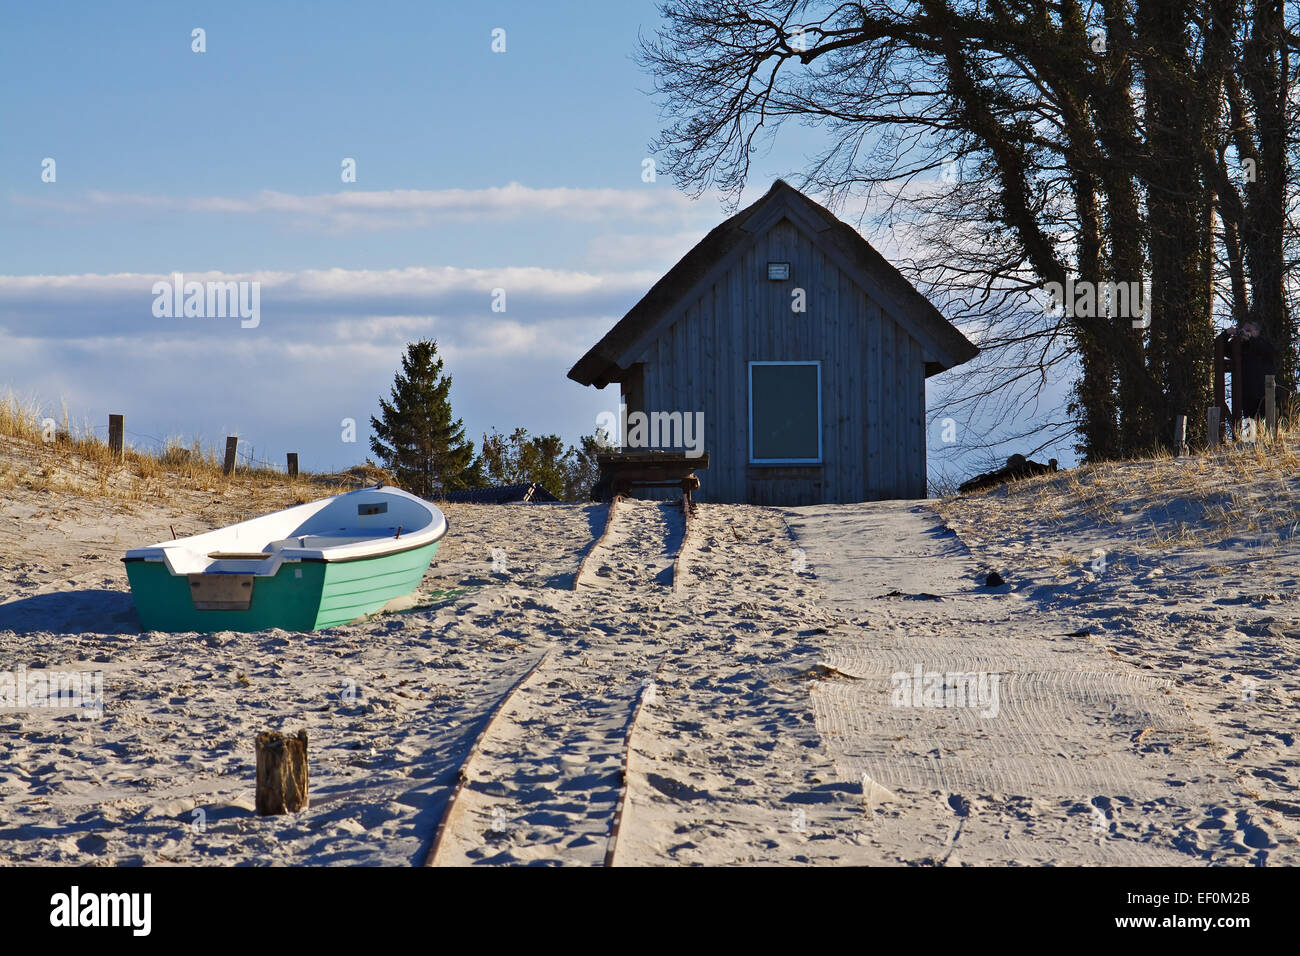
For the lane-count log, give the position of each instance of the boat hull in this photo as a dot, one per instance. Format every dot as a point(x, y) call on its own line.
point(301, 596)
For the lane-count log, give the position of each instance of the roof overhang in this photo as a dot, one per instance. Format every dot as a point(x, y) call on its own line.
point(610, 358)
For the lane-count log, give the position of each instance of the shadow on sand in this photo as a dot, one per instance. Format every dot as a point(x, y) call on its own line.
point(596, 515)
point(72, 612)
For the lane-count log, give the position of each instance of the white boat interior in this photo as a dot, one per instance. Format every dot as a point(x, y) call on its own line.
point(366, 523)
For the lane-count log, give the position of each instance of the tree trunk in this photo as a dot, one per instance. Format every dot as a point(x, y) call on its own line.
point(1182, 331)
point(1116, 120)
point(1264, 66)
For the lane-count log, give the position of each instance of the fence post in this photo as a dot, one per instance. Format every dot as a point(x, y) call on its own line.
point(115, 435)
point(293, 464)
point(1270, 404)
point(232, 446)
point(1212, 418)
point(1180, 434)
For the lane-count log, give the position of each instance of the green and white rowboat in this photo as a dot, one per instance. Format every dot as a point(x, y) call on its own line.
point(315, 565)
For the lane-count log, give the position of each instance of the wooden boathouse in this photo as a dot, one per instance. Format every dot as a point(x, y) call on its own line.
point(803, 348)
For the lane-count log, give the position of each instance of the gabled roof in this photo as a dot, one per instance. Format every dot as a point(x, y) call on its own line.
point(600, 365)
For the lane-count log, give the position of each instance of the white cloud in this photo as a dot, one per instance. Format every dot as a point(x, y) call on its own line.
point(386, 302)
point(369, 210)
point(290, 393)
point(327, 346)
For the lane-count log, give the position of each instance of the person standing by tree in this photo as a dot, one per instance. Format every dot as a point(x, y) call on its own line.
point(1258, 360)
point(415, 436)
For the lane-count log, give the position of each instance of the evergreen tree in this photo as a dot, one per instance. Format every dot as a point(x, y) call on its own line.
point(415, 436)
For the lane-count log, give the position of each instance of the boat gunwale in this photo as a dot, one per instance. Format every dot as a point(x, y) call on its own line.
point(324, 559)
point(311, 555)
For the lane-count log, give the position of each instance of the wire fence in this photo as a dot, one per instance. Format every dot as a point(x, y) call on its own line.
point(35, 419)
point(245, 455)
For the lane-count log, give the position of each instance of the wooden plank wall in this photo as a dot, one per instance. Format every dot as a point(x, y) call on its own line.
point(873, 378)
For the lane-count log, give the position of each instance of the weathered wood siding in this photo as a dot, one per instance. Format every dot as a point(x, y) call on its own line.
point(872, 374)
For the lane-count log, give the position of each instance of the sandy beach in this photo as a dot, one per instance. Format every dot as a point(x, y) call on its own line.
point(1132, 710)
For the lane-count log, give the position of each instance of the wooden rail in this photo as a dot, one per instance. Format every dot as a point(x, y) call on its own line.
point(644, 696)
point(462, 775)
point(649, 692)
point(596, 545)
point(679, 562)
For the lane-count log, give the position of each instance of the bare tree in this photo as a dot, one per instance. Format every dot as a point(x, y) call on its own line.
point(1089, 142)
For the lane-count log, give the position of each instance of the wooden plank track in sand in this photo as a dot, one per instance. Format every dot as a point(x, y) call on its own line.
point(646, 696)
point(462, 775)
point(544, 782)
point(644, 542)
point(547, 778)
point(679, 563)
point(598, 543)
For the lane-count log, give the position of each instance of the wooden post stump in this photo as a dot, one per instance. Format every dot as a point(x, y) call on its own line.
point(115, 435)
point(281, 772)
point(292, 466)
point(1212, 419)
point(232, 446)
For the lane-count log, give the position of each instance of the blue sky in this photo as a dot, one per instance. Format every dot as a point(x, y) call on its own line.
point(475, 170)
